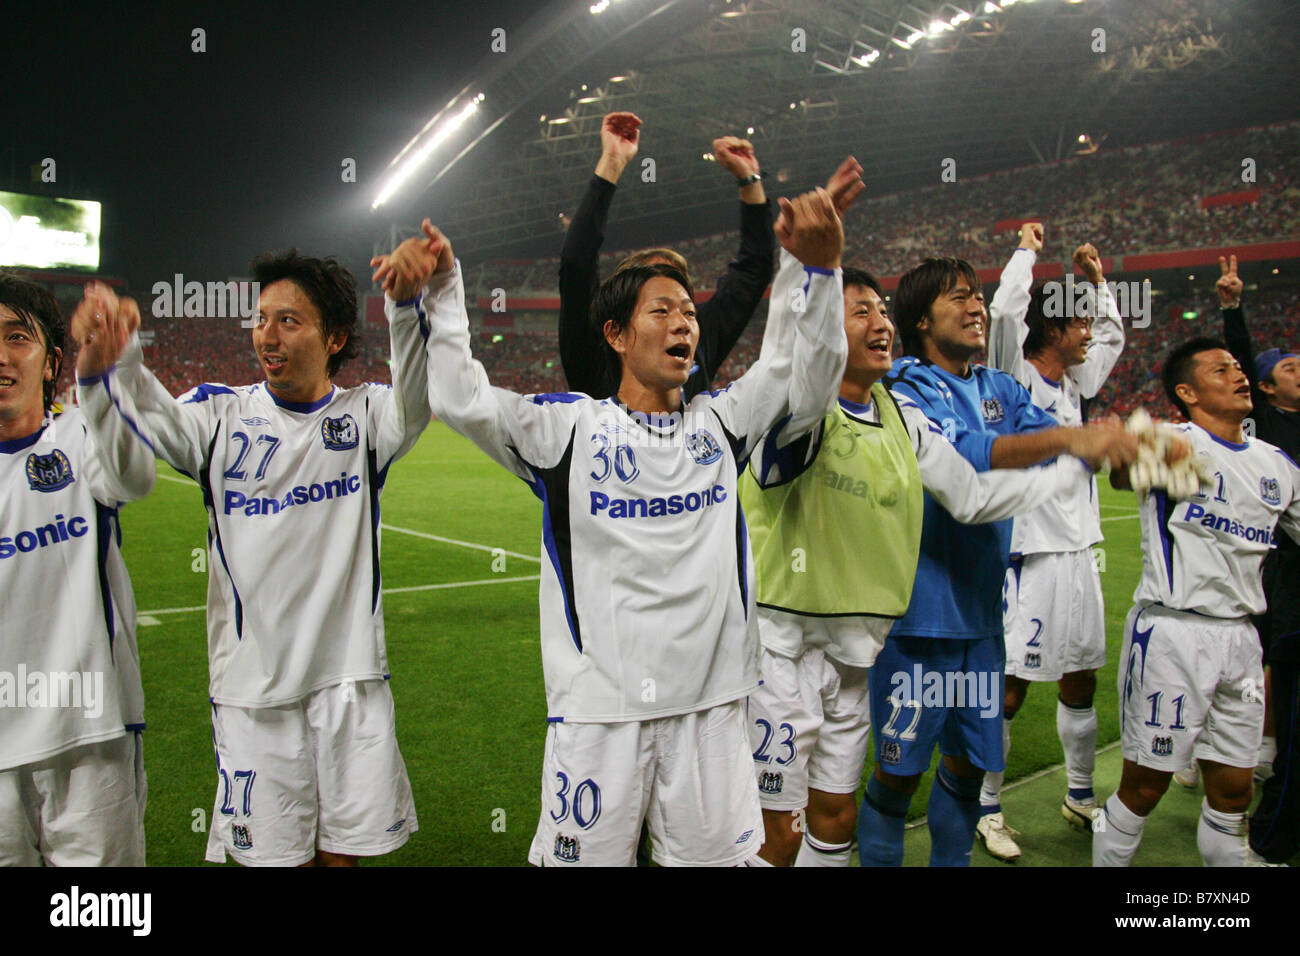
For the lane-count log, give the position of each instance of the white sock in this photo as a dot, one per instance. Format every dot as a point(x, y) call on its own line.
point(1077, 728)
point(1116, 834)
point(1267, 750)
point(756, 860)
point(1221, 837)
point(814, 852)
point(991, 789)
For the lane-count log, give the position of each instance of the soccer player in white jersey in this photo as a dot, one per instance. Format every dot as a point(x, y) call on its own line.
point(825, 609)
point(648, 640)
point(1054, 620)
point(72, 785)
point(291, 470)
point(1190, 679)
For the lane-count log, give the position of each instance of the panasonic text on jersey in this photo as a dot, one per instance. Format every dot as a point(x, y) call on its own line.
point(339, 487)
point(57, 530)
point(614, 507)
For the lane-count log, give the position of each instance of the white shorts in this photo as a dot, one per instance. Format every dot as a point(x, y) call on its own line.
point(324, 772)
point(1189, 687)
point(83, 807)
point(809, 726)
point(1054, 620)
point(688, 777)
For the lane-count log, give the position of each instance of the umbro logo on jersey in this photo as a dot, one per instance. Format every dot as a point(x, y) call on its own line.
point(396, 826)
point(1269, 491)
point(254, 422)
point(744, 837)
point(339, 434)
point(704, 448)
point(567, 848)
point(993, 412)
point(49, 472)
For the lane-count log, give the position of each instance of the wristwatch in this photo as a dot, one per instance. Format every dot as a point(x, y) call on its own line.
point(749, 180)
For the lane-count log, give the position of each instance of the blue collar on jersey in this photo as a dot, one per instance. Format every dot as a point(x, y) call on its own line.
point(854, 408)
point(18, 444)
point(302, 406)
point(1223, 441)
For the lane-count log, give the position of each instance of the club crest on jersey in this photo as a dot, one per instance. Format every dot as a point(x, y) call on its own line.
point(49, 472)
point(1162, 746)
point(339, 434)
point(1033, 659)
point(567, 848)
point(993, 412)
point(240, 836)
point(1269, 491)
point(770, 781)
point(890, 752)
point(704, 448)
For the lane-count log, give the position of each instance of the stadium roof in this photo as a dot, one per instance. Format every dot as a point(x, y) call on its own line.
point(901, 84)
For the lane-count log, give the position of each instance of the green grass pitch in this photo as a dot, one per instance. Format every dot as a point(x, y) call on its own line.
point(465, 659)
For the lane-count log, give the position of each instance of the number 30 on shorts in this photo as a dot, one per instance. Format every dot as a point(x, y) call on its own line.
point(584, 804)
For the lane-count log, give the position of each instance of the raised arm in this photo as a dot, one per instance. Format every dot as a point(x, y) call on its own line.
point(515, 431)
point(119, 466)
point(580, 344)
point(796, 386)
point(740, 289)
point(1107, 326)
point(1235, 334)
point(1007, 328)
point(176, 430)
point(399, 415)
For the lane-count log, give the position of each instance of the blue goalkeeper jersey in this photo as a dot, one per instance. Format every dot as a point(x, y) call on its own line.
point(958, 590)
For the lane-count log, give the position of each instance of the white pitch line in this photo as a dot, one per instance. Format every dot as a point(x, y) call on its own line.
point(179, 481)
point(463, 544)
point(1024, 780)
point(415, 587)
point(460, 584)
point(1136, 514)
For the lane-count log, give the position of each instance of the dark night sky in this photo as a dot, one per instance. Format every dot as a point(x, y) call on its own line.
point(203, 160)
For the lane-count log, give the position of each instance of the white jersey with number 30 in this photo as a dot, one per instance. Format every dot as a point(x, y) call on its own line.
point(647, 595)
point(1204, 555)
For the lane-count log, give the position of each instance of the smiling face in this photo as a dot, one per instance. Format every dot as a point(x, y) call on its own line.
point(290, 343)
point(657, 346)
point(1072, 345)
point(1219, 388)
point(953, 328)
point(870, 334)
point(25, 367)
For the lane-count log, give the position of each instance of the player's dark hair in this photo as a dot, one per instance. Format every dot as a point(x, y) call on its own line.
point(863, 279)
point(1044, 329)
point(39, 311)
point(615, 301)
point(329, 286)
point(918, 289)
point(1180, 365)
